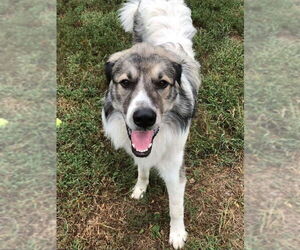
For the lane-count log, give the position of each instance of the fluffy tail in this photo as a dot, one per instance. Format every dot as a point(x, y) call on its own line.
point(127, 14)
point(128, 11)
point(159, 22)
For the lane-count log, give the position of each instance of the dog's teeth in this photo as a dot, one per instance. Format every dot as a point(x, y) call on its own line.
point(133, 145)
point(150, 145)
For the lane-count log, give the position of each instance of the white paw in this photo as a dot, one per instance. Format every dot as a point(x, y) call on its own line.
point(178, 238)
point(138, 192)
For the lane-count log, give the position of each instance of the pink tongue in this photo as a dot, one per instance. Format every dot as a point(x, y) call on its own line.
point(142, 139)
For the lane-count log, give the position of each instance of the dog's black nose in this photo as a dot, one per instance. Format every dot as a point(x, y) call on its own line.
point(144, 118)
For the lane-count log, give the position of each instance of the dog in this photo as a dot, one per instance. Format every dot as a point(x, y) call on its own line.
point(151, 98)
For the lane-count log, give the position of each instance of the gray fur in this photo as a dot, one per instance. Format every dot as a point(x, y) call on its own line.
point(137, 65)
point(138, 28)
point(137, 35)
point(182, 172)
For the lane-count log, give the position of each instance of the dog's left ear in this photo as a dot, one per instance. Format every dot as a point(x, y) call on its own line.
point(108, 70)
point(178, 72)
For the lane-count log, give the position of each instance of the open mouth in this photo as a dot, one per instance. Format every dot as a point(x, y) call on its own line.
point(141, 141)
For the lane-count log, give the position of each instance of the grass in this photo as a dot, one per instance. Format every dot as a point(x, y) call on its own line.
point(94, 181)
point(27, 144)
point(272, 118)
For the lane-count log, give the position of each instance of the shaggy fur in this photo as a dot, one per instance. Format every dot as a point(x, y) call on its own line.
point(158, 73)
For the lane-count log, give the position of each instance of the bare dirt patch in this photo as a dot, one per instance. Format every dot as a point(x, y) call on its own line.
point(219, 197)
point(272, 200)
point(14, 105)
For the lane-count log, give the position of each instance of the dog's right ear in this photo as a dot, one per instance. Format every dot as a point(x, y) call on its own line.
point(108, 70)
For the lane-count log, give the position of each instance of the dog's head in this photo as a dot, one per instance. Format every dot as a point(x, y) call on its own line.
point(144, 83)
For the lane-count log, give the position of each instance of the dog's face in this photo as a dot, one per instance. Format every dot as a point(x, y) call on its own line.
point(144, 83)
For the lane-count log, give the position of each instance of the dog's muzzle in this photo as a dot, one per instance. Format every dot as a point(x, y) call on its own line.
point(142, 138)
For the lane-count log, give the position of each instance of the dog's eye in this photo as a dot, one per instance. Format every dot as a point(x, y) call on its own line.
point(162, 84)
point(125, 83)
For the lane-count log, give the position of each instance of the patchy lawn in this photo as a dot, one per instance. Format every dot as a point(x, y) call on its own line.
point(94, 181)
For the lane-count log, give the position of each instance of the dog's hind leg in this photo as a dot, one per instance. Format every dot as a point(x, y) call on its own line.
point(142, 182)
point(172, 173)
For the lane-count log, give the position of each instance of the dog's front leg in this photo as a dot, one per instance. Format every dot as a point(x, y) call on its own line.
point(175, 181)
point(142, 182)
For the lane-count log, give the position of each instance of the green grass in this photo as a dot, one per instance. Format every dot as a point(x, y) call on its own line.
point(27, 143)
point(273, 93)
point(272, 118)
point(94, 181)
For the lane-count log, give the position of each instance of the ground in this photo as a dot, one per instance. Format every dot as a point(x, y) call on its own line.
point(94, 181)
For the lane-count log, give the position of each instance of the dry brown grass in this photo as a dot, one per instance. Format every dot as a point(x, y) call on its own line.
point(15, 105)
point(272, 196)
point(111, 220)
point(66, 105)
point(220, 202)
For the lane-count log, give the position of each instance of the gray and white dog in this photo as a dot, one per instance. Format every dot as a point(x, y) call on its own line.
point(151, 98)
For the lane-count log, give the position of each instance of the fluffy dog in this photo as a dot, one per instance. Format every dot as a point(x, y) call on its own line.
point(152, 95)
